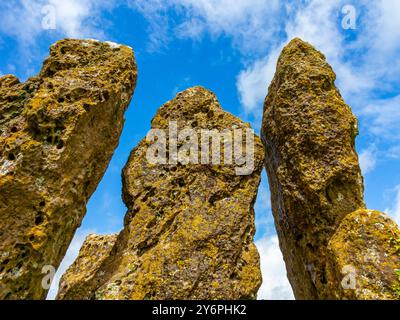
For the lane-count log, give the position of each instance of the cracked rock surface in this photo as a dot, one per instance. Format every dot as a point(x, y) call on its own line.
point(58, 131)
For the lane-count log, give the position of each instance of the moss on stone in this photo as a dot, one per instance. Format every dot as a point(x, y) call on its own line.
point(58, 132)
point(189, 228)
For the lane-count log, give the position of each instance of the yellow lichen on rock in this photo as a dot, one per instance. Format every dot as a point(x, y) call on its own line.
point(189, 227)
point(58, 131)
point(333, 247)
point(315, 179)
point(362, 258)
point(93, 252)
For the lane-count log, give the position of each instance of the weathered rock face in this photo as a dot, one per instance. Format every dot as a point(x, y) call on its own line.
point(58, 131)
point(364, 255)
point(189, 227)
point(315, 179)
point(92, 254)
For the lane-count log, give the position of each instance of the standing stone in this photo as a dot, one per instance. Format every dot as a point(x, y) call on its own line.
point(189, 228)
point(58, 131)
point(313, 171)
point(95, 249)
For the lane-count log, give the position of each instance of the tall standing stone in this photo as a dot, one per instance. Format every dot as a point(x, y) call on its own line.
point(188, 232)
point(58, 131)
point(315, 179)
point(364, 258)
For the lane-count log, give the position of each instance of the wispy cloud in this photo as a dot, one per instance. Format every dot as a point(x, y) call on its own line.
point(364, 60)
point(367, 159)
point(154, 11)
point(383, 117)
point(21, 19)
point(252, 82)
point(78, 18)
point(275, 283)
point(262, 208)
point(248, 23)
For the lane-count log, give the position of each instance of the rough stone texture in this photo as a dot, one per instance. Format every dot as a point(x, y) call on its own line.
point(189, 228)
point(364, 248)
point(58, 131)
point(314, 176)
point(92, 254)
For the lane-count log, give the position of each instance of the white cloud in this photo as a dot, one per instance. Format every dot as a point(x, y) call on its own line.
point(357, 76)
point(192, 28)
point(247, 22)
point(69, 258)
point(367, 159)
point(394, 152)
point(315, 23)
point(259, 29)
point(382, 35)
point(182, 85)
point(394, 211)
point(275, 283)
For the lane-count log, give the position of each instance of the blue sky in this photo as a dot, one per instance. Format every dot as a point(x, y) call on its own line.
point(230, 47)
